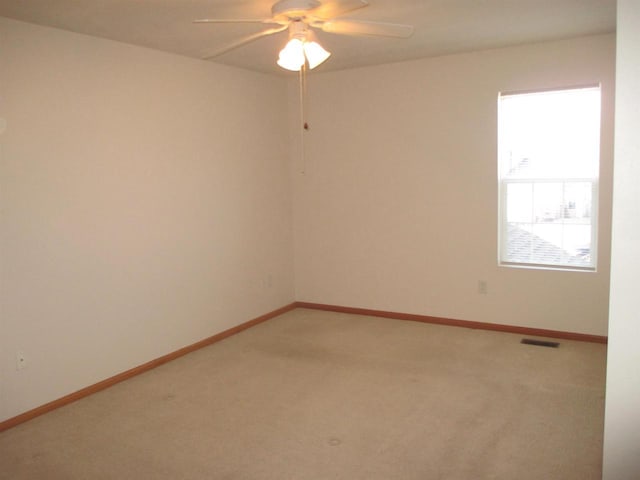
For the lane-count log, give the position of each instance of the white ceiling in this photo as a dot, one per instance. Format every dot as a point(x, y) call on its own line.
point(441, 26)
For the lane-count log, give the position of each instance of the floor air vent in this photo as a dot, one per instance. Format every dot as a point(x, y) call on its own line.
point(539, 343)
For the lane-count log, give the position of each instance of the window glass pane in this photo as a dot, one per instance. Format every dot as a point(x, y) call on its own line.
point(518, 243)
point(550, 134)
point(547, 202)
point(547, 244)
point(519, 202)
point(577, 240)
point(577, 202)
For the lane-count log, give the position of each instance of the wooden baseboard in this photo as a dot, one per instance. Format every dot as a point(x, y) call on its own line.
point(537, 332)
point(72, 397)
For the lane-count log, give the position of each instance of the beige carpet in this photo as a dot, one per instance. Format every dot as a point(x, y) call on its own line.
point(314, 395)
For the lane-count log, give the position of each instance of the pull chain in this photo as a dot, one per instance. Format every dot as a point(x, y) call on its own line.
point(303, 114)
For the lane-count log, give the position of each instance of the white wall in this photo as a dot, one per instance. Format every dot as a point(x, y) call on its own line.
point(397, 209)
point(622, 415)
point(145, 205)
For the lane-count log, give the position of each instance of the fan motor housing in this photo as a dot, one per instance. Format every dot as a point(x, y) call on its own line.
point(293, 9)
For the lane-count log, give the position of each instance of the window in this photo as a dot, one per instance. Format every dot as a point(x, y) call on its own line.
point(548, 156)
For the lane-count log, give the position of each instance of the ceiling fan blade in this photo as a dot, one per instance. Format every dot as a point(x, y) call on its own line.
point(244, 41)
point(360, 27)
point(235, 20)
point(335, 8)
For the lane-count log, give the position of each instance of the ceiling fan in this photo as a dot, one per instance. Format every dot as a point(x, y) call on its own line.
point(299, 17)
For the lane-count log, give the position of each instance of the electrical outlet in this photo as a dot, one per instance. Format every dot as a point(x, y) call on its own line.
point(21, 360)
point(482, 287)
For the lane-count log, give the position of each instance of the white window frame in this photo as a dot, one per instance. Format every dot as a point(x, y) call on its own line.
point(503, 183)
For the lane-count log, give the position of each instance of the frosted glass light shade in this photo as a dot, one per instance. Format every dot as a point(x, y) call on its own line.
point(292, 55)
point(315, 53)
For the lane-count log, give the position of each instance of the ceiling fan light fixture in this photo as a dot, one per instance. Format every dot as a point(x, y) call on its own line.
point(297, 51)
point(302, 47)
